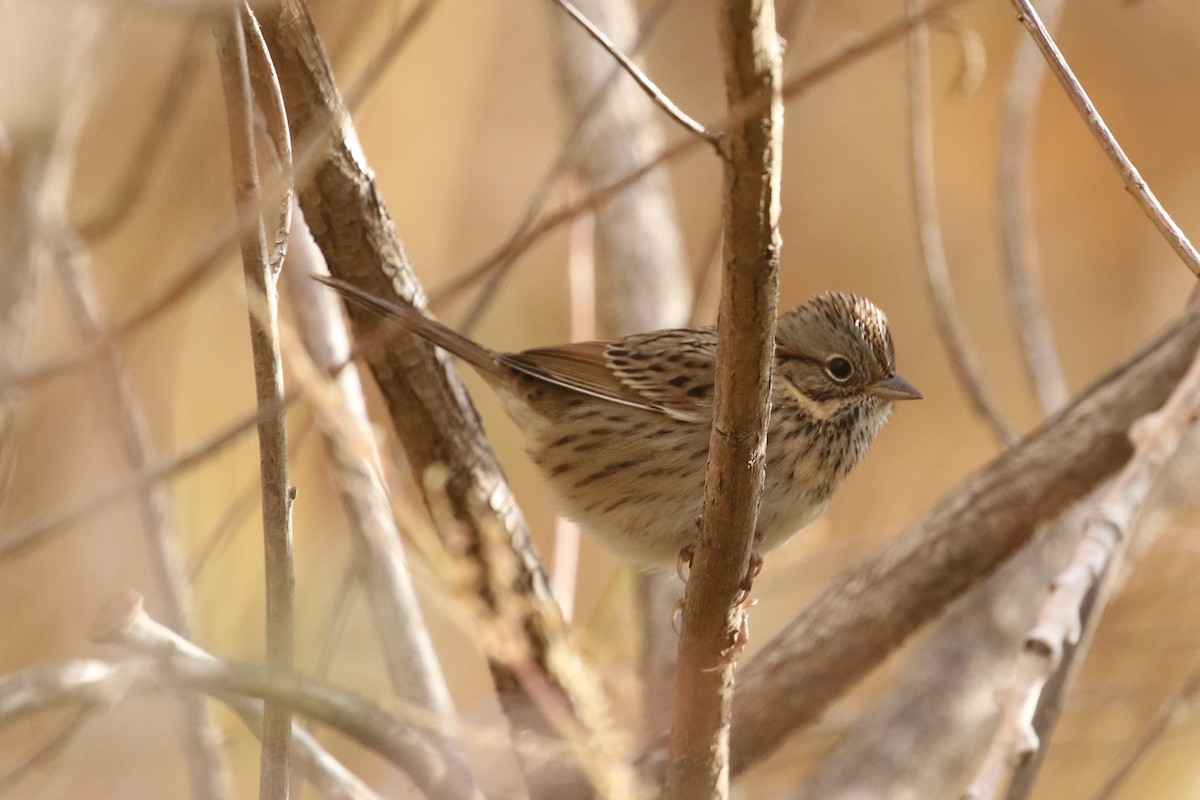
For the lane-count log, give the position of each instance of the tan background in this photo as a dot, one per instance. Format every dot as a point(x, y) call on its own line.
point(459, 133)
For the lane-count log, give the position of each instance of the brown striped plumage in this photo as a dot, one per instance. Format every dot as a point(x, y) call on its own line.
point(620, 428)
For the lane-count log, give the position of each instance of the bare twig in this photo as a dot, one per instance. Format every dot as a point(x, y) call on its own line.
point(699, 761)
point(638, 277)
point(648, 86)
point(1018, 249)
point(573, 149)
point(1087, 579)
point(868, 612)
point(268, 379)
point(133, 436)
point(341, 412)
point(1135, 184)
point(99, 684)
point(933, 253)
point(937, 716)
point(848, 54)
point(125, 623)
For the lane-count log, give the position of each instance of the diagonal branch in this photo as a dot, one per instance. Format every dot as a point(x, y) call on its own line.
point(648, 86)
point(1134, 182)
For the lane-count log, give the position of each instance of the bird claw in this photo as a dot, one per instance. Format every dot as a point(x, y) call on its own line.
point(683, 564)
point(752, 571)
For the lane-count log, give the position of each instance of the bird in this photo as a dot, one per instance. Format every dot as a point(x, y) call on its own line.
point(620, 428)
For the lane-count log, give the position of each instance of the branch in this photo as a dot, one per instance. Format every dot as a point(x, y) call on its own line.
point(637, 271)
point(268, 382)
point(929, 231)
point(132, 430)
point(437, 426)
point(1018, 250)
point(380, 563)
point(1081, 591)
point(124, 622)
point(867, 613)
point(699, 765)
point(652, 91)
point(95, 683)
point(1135, 184)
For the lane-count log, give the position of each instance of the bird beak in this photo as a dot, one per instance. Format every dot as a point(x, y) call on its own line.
point(893, 387)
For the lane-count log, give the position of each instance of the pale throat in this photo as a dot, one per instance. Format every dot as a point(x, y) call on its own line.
point(822, 410)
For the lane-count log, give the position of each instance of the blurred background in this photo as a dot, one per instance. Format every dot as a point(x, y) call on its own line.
point(459, 132)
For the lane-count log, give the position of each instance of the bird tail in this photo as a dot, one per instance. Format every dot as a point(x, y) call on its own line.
point(484, 359)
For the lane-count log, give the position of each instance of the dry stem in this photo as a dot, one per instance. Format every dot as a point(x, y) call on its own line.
point(699, 765)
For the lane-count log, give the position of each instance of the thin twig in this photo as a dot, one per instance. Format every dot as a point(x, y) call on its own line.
point(572, 151)
point(99, 684)
point(1018, 248)
point(263, 299)
point(1135, 184)
point(929, 229)
point(124, 622)
point(845, 56)
point(1086, 580)
point(648, 86)
point(712, 616)
point(132, 431)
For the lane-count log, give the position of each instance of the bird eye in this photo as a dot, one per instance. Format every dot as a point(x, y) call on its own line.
point(839, 368)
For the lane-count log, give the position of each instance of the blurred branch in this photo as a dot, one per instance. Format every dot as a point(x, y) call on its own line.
point(341, 412)
point(105, 218)
point(100, 684)
point(844, 56)
point(1081, 592)
point(262, 292)
point(867, 613)
point(125, 623)
point(132, 431)
point(638, 272)
point(573, 148)
point(652, 91)
point(929, 229)
point(1018, 248)
point(935, 719)
point(434, 421)
point(712, 615)
point(1135, 184)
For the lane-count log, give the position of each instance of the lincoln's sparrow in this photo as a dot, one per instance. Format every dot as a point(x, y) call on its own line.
point(620, 428)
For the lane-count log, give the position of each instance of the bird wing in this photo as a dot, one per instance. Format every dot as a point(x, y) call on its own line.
point(669, 372)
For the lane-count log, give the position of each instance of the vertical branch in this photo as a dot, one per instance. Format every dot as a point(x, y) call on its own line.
point(699, 766)
point(263, 299)
point(1018, 250)
point(933, 254)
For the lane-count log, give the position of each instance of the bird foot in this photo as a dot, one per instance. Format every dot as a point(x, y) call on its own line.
point(755, 567)
point(683, 563)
